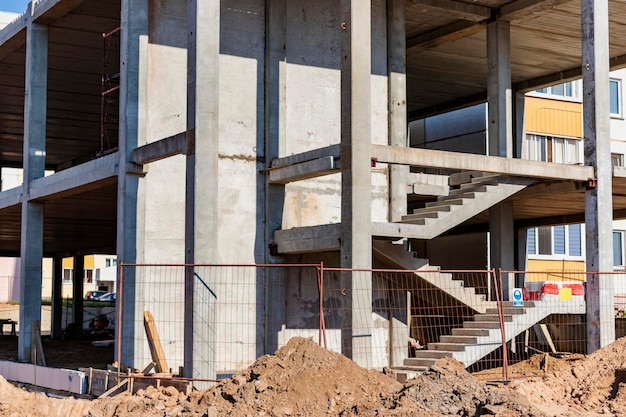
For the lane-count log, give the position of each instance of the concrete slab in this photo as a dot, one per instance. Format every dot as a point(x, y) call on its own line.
point(53, 378)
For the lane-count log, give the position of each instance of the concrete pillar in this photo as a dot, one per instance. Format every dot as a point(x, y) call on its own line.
point(275, 89)
point(500, 139)
point(499, 97)
point(396, 73)
point(31, 248)
point(78, 287)
point(133, 45)
point(522, 251)
point(502, 240)
point(356, 133)
point(599, 199)
point(520, 124)
point(201, 205)
point(57, 298)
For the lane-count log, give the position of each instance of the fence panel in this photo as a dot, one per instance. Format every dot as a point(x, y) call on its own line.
point(378, 317)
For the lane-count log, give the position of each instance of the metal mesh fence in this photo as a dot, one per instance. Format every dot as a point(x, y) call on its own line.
point(380, 318)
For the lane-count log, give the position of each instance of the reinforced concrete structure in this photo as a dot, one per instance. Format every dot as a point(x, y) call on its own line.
point(274, 131)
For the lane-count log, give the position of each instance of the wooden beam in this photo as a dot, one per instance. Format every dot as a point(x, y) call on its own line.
point(456, 9)
point(156, 348)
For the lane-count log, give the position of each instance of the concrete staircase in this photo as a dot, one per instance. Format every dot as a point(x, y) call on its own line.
point(481, 336)
point(463, 202)
point(398, 257)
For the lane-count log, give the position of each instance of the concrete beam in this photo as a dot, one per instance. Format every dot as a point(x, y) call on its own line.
point(320, 238)
point(77, 179)
point(399, 231)
point(522, 8)
point(456, 9)
point(332, 150)
point(442, 35)
point(49, 11)
point(10, 198)
point(161, 149)
point(302, 171)
point(428, 158)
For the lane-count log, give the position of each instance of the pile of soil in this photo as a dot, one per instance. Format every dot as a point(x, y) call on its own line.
point(302, 379)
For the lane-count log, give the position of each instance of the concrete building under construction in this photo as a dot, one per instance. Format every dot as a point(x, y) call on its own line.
point(276, 131)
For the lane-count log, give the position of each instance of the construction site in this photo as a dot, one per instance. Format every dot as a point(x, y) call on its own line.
point(411, 190)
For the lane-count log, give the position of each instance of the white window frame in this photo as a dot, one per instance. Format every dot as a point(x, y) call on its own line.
point(620, 112)
point(619, 267)
point(617, 159)
point(552, 255)
point(537, 147)
point(550, 92)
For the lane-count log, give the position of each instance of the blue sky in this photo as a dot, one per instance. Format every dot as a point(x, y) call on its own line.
point(17, 6)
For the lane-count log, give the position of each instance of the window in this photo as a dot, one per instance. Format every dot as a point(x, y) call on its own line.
point(618, 247)
point(88, 275)
point(615, 92)
point(563, 241)
point(553, 149)
point(617, 160)
point(568, 90)
point(67, 274)
point(110, 262)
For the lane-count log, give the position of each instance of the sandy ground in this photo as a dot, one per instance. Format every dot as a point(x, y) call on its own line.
point(302, 379)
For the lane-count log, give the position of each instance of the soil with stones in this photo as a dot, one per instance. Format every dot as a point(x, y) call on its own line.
point(302, 379)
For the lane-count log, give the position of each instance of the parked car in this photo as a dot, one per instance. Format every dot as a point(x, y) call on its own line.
point(110, 296)
point(93, 295)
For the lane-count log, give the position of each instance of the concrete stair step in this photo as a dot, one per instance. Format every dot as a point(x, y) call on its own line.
point(492, 317)
point(469, 332)
point(507, 304)
point(429, 354)
point(464, 196)
point(466, 340)
point(450, 347)
point(413, 221)
point(452, 201)
point(416, 216)
point(507, 310)
point(486, 180)
point(404, 373)
point(430, 209)
point(420, 362)
point(470, 187)
point(481, 324)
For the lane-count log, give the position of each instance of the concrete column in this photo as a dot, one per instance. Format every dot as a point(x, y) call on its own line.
point(522, 250)
point(502, 240)
point(57, 297)
point(31, 248)
point(396, 62)
point(520, 124)
point(78, 287)
point(598, 200)
point(500, 105)
point(201, 205)
point(356, 133)
point(275, 90)
point(133, 51)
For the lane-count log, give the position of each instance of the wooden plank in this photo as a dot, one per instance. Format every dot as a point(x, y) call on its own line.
point(156, 348)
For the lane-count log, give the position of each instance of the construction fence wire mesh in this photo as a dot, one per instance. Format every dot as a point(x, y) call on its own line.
point(380, 318)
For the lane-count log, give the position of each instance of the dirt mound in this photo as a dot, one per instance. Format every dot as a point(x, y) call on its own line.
point(595, 384)
point(447, 388)
point(302, 379)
